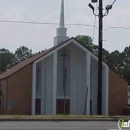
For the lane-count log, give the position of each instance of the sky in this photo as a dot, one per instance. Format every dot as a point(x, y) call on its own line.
point(39, 37)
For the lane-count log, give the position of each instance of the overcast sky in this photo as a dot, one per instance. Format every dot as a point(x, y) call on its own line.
point(40, 37)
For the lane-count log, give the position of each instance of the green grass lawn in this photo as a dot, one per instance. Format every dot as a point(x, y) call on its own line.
point(60, 117)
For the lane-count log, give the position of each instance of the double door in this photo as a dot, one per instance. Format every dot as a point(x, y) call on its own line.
point(63, 106)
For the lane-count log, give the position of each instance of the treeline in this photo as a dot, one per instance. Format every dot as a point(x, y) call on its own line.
point(9, 59)
point(120, 61)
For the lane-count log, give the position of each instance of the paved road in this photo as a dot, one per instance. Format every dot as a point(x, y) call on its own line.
point(58, 126)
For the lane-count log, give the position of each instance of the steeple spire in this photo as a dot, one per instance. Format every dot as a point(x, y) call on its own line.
point(62, 15)
point(61, 31)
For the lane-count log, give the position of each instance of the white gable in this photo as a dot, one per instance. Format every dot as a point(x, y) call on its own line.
point(70, 41)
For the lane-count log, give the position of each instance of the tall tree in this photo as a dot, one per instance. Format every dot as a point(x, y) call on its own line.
point(126, 64)
point(7, 60)
point(115, 60)
point(22, 53)
point(87, 42)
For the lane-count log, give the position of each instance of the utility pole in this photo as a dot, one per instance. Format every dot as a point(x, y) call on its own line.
point(100, 15)
point(99, 99)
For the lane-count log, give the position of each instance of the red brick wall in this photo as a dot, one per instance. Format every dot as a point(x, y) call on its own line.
point(19, 90)
point(3, 87)
point(117, 94)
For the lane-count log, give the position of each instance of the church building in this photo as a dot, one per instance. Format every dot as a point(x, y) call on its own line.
point(62, 79)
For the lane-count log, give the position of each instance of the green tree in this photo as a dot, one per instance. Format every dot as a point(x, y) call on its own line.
point(7, 60)
point(126, 64)
point(87, 42)
point(22, 53)
point(105, 56)
point(115, 60)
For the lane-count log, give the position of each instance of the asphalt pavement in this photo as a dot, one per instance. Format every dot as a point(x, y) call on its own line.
point(40, 125)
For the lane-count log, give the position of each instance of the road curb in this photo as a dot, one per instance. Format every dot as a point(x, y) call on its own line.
point(59, 120)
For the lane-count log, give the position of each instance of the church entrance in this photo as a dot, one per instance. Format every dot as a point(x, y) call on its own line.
point(63, 106)
point(63, 81)
point(38, 106)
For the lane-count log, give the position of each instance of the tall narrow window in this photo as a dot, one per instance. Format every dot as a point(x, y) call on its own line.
point(63, 72)
point(38, 79)
point(38, 106)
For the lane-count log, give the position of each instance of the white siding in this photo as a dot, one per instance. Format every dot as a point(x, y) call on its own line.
point(47, 88)
point(94, 80)
point(78, 82)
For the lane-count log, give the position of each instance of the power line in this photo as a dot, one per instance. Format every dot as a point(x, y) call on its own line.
point(94, 27)
point(25, 22)
point(94, 24)
point(22, 22)
point(83, 25)
point(128, 28)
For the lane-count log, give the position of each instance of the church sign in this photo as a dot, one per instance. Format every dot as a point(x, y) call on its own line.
point(11, 104)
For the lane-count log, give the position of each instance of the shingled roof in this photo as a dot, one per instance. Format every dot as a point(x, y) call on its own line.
point(38, 56)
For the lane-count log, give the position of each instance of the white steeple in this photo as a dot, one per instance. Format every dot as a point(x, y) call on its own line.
point(61, 31)
point(62, 15)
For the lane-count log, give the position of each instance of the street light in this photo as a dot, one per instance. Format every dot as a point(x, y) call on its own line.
point(100, 15)
point(91, 6)
point(94, 1)
point(108, 7)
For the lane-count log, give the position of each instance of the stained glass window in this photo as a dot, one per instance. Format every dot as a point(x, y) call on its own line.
point(63, 72)
point(38, 79)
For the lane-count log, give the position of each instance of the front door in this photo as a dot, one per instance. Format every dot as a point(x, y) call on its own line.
point(60, 106)
point(38, 106)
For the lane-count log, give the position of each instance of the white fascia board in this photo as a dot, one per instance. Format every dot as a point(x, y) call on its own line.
point(55, 50)
point(65, 44)
point(86, 50)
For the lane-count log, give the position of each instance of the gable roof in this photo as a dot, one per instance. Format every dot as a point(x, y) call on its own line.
point(24, 63)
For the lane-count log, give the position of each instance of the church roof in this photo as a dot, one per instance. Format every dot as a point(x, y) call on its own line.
point(61, 36)
point(24, 63)
point(27, 62)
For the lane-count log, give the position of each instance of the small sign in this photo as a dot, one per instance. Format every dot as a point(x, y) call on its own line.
point(10, 104)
